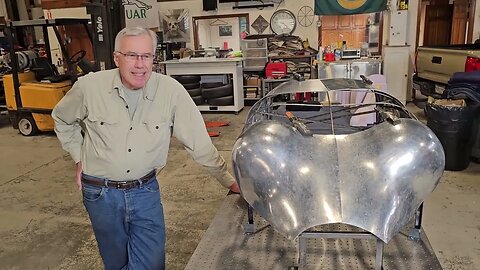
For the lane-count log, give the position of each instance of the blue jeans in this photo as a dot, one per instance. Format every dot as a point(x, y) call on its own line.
point(128, 224)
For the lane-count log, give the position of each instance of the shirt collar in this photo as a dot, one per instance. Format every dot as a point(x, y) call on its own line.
point(148, 90)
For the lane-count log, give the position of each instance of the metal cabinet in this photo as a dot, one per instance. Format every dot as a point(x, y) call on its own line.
point(351, 69)
point(396, 66)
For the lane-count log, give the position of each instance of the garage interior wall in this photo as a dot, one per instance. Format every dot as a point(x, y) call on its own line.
point(3, 9)
point(195, 7)
point(311, 33)
point(210, 34)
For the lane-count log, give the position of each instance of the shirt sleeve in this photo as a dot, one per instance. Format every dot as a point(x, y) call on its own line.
point(189, 128)
point(67, 115)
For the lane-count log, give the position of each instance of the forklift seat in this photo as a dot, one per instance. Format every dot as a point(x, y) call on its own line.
point(43, 68)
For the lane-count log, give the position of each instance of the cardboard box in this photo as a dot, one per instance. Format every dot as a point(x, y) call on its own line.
point(254, 81)
point(448, 102)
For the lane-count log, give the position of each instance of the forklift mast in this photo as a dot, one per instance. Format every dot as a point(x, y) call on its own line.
point(106, 23)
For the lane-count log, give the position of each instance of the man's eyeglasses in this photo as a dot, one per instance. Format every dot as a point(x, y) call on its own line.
point(130, 56)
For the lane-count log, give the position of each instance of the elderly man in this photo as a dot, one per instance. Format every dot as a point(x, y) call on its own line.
point(128, 115)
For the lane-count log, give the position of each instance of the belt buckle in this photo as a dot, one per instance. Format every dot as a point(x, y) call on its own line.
point(119, 185)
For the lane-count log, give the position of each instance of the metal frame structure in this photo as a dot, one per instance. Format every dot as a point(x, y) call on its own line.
point(225, 245)
point(302, 246)
point(302, 261)
point(106, 24)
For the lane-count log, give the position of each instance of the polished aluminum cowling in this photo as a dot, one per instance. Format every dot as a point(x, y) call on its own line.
point(371, 176)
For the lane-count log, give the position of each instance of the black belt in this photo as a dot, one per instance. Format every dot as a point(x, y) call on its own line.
point(118, 184)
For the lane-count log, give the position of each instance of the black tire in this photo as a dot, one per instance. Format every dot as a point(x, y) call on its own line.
point(189, 86)
point(221, 101)
point(211, 84)
point(195, 92)
point(187, 79)
point(27, 125)
point(216, 92)
point(427, 88)
point(198, 100)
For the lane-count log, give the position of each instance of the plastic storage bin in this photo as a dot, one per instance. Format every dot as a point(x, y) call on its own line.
point(255, 54)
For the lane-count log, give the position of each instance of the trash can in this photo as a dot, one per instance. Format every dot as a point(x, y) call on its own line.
point(452, 123)
point(476, 136)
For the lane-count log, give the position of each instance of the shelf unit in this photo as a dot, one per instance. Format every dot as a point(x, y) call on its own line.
point(230, 67)
point(293, 64)
point(255, 57)
point(258, 92)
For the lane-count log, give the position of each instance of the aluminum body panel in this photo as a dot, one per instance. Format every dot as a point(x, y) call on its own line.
point(373, 178)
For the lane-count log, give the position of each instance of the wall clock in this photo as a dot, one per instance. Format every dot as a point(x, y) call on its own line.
point(283, 22)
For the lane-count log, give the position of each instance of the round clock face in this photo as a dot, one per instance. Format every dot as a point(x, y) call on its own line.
point(283, 22)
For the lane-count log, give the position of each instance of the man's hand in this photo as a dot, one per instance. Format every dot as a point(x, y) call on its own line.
point(79, 175)
point(234, 188)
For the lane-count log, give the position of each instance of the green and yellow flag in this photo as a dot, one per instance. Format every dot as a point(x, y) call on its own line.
point(348, 7)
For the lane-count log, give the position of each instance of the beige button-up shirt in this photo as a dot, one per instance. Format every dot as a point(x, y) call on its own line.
point(117, 147)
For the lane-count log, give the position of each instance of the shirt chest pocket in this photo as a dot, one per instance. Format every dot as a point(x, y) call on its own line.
point(157, 134)
point(103, 130)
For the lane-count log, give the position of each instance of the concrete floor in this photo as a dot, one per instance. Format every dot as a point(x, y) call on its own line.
point(43, 224)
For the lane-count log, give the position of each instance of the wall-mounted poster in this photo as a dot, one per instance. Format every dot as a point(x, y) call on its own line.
point(141, 13)
point(175, 25)
point(225, 30)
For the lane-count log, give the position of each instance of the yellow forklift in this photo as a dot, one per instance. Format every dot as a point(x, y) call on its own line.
point(35, 86)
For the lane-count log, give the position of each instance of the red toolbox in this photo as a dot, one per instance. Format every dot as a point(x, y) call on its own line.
point(276, 70)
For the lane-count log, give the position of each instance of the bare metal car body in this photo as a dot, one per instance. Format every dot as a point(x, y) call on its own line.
point(354, 156)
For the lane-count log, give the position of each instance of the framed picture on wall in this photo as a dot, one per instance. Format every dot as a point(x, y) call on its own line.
point(175, 25)
point(225, 30)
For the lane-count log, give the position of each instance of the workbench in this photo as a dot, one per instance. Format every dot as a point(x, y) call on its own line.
point(225, 245)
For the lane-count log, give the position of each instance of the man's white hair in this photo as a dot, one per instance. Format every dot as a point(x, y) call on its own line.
point(133, 32)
